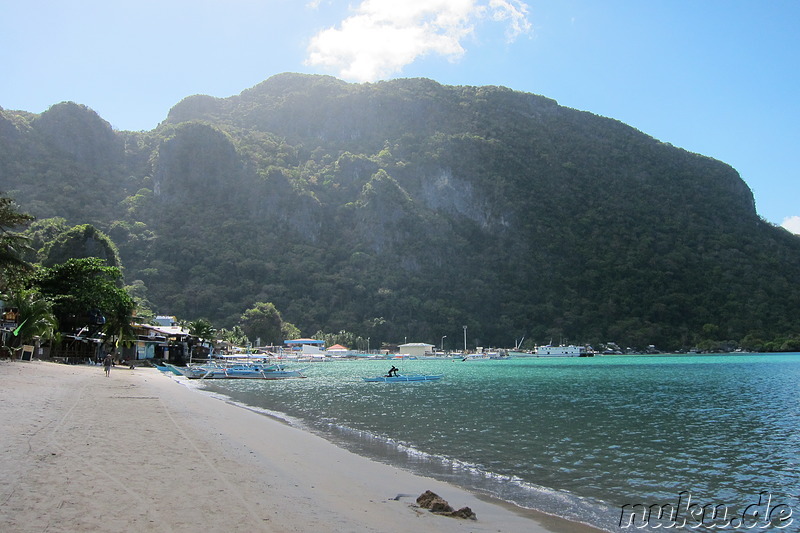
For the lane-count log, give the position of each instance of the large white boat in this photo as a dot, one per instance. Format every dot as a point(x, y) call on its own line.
point(559, 351)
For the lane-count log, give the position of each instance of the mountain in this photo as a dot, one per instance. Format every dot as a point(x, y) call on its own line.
point(405, 210)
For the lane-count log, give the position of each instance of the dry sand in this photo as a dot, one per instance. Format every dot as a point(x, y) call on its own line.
point(137, 452)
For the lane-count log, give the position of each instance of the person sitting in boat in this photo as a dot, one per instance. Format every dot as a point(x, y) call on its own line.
point(392, 372)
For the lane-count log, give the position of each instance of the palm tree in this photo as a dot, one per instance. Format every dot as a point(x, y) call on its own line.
point(203, 330)
point(9, 253)
point(118, 311)
point(118, 328)
point(11, 243)
point(234, 336)
point(12, 266)
point(36, 318)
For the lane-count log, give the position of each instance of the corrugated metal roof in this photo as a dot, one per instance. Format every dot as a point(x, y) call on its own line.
point(167, 330)
point(304, 341)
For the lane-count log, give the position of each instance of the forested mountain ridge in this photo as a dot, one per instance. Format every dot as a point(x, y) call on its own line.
point(407, 209)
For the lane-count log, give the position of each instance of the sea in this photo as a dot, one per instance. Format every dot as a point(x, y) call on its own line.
point(677, 442)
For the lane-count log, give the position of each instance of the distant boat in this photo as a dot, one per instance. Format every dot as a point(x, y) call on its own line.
point(558, 351)
point(401, 378)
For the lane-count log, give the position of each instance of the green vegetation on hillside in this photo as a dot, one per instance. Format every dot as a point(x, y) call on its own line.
point(407, 210)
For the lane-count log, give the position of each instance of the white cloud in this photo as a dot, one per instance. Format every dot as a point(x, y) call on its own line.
point(792, 224)
point(513, 11)
point(383, 36)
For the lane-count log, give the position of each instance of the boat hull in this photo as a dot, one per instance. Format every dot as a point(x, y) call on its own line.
point(168, 369)
point(403, 379)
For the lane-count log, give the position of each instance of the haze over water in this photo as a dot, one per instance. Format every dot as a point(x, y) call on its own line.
point(575, 437)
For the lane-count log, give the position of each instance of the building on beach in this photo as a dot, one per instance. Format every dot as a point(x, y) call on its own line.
point(168, 343)
point(416, 349)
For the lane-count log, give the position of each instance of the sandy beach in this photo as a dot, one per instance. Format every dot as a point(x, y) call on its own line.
point(138, 451)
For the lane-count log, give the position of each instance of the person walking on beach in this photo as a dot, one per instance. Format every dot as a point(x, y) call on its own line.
point(107, 364)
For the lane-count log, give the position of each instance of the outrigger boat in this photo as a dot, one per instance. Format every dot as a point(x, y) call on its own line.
point(400, 378)
point(241, 371)
point(168, 369)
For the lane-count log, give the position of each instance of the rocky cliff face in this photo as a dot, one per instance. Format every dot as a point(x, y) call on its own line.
point(79, 133)
point(196, 158)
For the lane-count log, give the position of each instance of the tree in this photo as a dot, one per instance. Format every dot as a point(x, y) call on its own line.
point(138, 291)
point(263, 321)
point(11, 244)
point(203, 330)
point(85, 293)
point(289, 331)
point(10, 217)
point(80, 241)
point(41, 233)
point(345, 338)
point(35, 317)
point(118, 327)
point(234, 336)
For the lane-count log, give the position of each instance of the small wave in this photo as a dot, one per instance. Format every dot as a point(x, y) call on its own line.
point(474, 477)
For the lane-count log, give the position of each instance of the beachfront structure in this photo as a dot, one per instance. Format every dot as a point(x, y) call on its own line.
point(169, 343)
point(337, 350)
point(416, 349)
point(306, 347)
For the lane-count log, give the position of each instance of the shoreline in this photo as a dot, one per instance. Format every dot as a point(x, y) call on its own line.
point(138, 451)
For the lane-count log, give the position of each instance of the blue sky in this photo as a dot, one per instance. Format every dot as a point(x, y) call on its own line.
point(716, 77)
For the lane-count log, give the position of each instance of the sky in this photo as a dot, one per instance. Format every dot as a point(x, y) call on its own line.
point(716, 77)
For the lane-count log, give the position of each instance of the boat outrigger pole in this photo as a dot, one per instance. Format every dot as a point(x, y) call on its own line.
point(519, 343)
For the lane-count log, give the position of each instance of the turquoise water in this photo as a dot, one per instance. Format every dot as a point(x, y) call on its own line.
point(575, 437)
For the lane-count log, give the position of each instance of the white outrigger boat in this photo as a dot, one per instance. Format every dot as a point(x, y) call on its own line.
point(241, 371)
